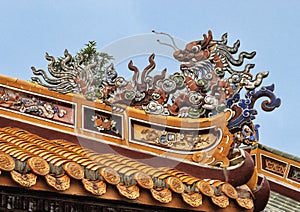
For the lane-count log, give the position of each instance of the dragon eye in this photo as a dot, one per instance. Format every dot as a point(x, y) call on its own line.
point(195, 49)
point(180, 56)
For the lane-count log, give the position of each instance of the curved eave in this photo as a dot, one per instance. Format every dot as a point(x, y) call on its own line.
point(119, 178)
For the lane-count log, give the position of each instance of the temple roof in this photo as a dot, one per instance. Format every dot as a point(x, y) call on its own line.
point(28, 158)
point(195, 118)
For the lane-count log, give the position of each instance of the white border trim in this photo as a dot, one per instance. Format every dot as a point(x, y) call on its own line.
point(74, 107)
point(182, 152)
point(97, 132)
point(279, 182)
point(255, 162)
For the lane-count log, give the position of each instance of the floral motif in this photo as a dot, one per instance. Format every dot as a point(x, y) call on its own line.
point(104, 124)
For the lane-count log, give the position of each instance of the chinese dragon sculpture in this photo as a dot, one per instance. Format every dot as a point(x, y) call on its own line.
point(208, 84)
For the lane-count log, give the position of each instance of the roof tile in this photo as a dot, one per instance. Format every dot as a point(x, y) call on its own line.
point(26, 156)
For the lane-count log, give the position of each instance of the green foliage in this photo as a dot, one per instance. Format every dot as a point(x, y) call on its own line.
point(90, 56)
point(89, 51)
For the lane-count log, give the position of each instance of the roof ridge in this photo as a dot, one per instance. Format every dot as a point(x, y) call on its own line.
point(279, 152)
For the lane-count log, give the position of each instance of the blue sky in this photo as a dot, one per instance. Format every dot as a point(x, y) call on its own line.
point(29, 28)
